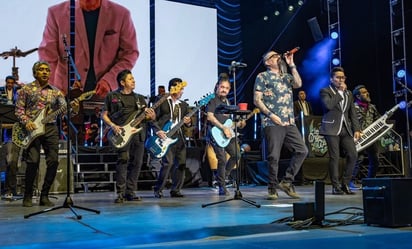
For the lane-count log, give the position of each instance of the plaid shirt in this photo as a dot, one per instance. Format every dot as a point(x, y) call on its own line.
point(32, 99)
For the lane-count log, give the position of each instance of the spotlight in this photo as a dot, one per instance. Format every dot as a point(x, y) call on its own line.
point(300, 2)
point(290, 8)
point(334, 35)
point(401, 73)
point(276, 13)
point(336, 61)
point(265, 18)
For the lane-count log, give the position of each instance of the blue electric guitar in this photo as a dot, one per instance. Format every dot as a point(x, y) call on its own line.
point(218, 135)
point(159, 147)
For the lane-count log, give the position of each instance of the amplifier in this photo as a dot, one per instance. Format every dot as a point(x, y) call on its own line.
point(387, 201)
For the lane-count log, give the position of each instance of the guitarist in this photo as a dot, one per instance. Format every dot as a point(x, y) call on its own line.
point(120, 106)
point(173, 110)
point(224, 167)
point(31, 100)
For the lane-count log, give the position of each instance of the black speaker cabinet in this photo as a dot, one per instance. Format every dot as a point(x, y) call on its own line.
point(387, 201)
point(60, 182)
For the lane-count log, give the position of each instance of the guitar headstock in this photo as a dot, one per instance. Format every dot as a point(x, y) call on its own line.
point(203, 101)
point(178, 87)
point(86, 95)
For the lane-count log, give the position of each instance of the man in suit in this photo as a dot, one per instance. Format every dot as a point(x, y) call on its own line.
point(340, 127)
point(174, 110)
point(105, 44)
point(301, 105)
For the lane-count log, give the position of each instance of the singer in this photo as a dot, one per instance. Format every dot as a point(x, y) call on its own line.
point(274, 97)
point(339, 130)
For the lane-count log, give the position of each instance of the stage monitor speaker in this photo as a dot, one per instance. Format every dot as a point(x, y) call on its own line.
point(60, 182)
point(387, 201)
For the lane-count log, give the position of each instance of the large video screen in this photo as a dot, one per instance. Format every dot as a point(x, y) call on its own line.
point(185, 42)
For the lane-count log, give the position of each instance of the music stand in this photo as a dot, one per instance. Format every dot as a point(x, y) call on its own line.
point(68, 202)
point(234, 110)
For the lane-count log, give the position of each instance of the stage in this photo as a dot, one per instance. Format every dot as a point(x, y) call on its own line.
point(183, 223)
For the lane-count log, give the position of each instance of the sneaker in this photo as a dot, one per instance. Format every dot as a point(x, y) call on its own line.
point(289, 189)
point(119, 199)
point(272, 195)
point(131, 197)
point(8, 196)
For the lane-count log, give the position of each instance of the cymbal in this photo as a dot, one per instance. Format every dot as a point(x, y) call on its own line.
point(15, 52)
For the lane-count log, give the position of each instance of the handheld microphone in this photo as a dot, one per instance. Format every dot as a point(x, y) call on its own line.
point(291, 51)
point(235, 64)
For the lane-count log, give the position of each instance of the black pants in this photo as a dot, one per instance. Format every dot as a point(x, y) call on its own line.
point(224, 167)
point(50, 144)
point(288, 136)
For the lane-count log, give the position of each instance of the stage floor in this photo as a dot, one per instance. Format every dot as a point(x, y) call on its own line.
point(184, 223)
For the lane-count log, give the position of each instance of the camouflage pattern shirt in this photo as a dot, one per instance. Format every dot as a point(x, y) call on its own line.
point(366, 114)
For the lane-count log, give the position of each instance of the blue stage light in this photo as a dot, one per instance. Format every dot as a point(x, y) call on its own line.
point(335, 61)
point(334, 35)
point(400, 73)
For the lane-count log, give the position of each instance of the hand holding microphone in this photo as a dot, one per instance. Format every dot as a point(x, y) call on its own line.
point(289, 53)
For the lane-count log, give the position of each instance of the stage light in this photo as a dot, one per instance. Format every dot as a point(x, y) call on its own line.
point(276, 13)
point(291, 8)
point(401, 73)
point(300, 2)
point(265, 18)
point(336, 61)
point(334, 35)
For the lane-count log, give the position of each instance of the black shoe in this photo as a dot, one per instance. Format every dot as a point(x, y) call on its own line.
point(131, 197)
point(44, 201)
point(158, 194)
point(345, 188)
point(27, 202)
point(337, 191)
point(176, 194)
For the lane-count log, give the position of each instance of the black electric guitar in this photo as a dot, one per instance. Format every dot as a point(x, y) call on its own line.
point(122, 138)
point(23, 138)
point(159, 147)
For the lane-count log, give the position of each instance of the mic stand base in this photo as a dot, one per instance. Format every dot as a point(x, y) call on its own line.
point(237, 196)
point(68, 203)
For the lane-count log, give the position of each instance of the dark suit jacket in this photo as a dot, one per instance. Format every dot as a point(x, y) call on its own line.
point(297, 108)
point(163, 113)
point(335, 116)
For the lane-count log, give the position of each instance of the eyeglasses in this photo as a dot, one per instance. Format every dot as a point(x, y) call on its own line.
point(340, 77)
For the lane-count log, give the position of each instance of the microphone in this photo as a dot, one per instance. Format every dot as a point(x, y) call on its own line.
point(235, 64)
point(291, 51)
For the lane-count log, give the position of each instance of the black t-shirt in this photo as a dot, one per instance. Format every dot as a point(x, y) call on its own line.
point(211, 107)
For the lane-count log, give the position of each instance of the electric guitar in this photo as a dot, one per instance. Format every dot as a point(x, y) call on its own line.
point(218, 135)
point(122, 138)
point(23, 138)
point(159, 147)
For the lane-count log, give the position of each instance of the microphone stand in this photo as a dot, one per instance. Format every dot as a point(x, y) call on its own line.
point(405, 91)
point(68, 202)
point(236, 116)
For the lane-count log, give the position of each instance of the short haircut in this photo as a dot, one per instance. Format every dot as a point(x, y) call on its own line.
point(336, 69)
point(122, 76)
point(37, 64)
point(356, 90)
point(10, 77)
point(174, 82)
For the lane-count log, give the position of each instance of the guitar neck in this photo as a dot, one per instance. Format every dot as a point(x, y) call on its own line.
point(181, 122)
point(142, 116)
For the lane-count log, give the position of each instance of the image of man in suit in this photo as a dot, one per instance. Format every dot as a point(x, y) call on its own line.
point(105, 44)
point(340, 127)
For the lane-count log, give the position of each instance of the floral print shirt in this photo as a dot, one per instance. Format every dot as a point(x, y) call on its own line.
point(277, 96)
point(32, 99)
